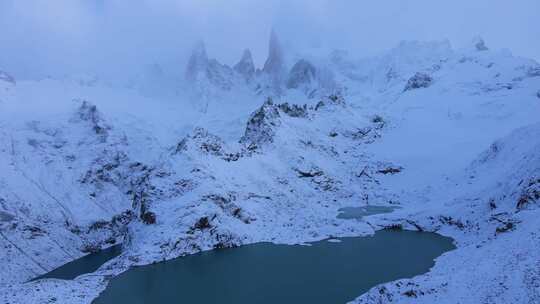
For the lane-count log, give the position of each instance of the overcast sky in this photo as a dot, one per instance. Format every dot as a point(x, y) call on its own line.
point(40, 37)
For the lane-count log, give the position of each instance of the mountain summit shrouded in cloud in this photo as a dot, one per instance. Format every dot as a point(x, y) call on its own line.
point(115, 38)
point(135, 133)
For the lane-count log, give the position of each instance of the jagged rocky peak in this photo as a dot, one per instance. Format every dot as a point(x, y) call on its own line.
point(198, 62)
point(303, 73)
point(204, 71)
point(202, 141)
point(260, 129)
point(89, 113)
point(6, 77)
point(479, 44)
point(245, 66)
point(275, 63)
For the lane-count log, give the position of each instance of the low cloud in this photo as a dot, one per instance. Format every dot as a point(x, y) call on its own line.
point(117, 37)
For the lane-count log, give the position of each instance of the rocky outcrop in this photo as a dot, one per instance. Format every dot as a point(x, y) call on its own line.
point(261, 126)
point(260, 129)
point(294, 110)
point(302, 75)
point(274, 68)
point(202, 71)
point(330, 101)
point(203, 142)
point(419, 80)
point(7, 78)
point(479, 44)
point(88, 113)
point(275, 63)
point(198, 62)
point(534, 71)
point(245, 66)
point(220, 75)
point(529, 194)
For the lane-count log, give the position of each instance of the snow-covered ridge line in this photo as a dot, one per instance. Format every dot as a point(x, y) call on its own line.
point(84, 167)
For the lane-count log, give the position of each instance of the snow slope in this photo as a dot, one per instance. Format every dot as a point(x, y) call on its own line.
point(494, 220)
point(244, 155)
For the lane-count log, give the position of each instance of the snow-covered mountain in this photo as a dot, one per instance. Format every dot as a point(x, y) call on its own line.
point(244, 155)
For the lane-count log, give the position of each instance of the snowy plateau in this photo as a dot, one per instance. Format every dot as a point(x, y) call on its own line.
point(243, 154)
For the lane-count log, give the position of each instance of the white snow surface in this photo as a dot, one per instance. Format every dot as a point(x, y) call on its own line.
point(83, 166)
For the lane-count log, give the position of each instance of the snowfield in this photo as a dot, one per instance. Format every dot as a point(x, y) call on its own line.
point(243, 155)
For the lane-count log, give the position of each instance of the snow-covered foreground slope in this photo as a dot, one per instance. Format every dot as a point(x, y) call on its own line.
point(84, 167)
point(492, 212)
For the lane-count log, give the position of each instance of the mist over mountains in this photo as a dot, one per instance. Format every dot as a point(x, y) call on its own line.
point(116, 39)
point(165, 129)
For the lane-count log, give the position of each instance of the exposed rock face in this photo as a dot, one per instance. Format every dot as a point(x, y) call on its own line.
point(89, 113)
point(479, 44)
point(332, 101)
point(148, 217)
point(530, 194)
point(294, 110)
point(6, 77)
point(419, 80)
point(203, 142)
point(220, 75)
point(274, 67)
point(534, 71)
point(201, 70)
point(245, 66)
point(274, 64)
point(198, 62)
point(302, 74)
point(261, 125)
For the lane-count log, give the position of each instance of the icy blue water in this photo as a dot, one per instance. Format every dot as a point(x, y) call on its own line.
point(86, 264)
point(359, 212)
point(324, 272)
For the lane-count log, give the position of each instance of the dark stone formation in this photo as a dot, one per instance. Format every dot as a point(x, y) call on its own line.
point(294, 110)
point(261, 125)
point(6, 77)
point(419, 80)
point(302, 74)
point(148, 217)
point(245, 66)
